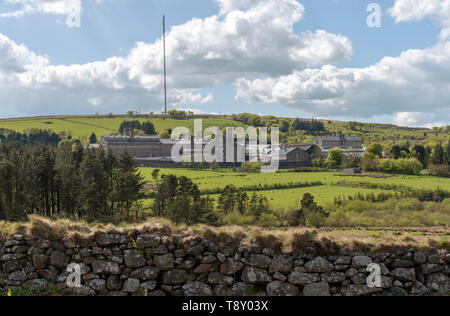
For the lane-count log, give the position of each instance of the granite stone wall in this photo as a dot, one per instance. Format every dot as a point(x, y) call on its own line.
point(154, 265)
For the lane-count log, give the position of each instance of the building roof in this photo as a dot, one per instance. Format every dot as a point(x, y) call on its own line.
point(137, 139)
point(329, 137)
point(283, 152)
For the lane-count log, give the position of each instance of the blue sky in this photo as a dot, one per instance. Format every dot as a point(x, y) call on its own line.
point(324, 79)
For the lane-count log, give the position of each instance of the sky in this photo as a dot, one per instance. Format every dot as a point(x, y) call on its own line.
point(333, 59)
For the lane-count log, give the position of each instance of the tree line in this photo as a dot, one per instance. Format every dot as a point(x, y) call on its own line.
point(33, 136)
point(312, 126)
point(67, 181)
point(146, 127)
point(286, 126)
point(399, 158)
point(179, 200)
point(403, 158)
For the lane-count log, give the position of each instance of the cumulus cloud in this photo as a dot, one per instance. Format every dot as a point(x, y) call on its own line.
point(247, 38)
point(71, 9)
point(415, 81)
point(17, 58)
point(416, 10)
point(414, 87)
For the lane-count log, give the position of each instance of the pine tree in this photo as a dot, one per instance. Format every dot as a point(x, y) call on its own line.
point(93, 139)
point(68, 180)
point(448, 153)
point(128, 182)
point(148, 128)
point(438, 157)
point(93, 186)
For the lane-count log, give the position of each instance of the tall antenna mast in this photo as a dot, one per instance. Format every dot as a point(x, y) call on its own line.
point(165, 71)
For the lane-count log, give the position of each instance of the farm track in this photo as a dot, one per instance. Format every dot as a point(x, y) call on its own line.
point(87, 124)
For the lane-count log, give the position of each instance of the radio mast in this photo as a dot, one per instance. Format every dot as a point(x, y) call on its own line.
point(165, 71)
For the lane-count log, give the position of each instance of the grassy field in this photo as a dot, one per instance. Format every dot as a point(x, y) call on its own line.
point(82, 127)
point(214, 179)
point(290, 198)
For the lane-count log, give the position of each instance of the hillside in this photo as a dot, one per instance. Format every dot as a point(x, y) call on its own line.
point(82, 126)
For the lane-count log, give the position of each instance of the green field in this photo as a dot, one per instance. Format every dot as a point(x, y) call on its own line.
point(323, 195)
point(289, 198)
point(82, 127)
point(215, 179)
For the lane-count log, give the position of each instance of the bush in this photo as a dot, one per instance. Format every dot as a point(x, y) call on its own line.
point(446, 202)
point(269, 220)
point(410, 166)
point(401, 166)
point(164, 134)
point(335, 158)
point(439, 170)
point(370, 162)
point(319, 163)
point(235, 218)
point(375, 149)
point(315, 219)
point(251, 166)
point(311, 214)
point(410, 204)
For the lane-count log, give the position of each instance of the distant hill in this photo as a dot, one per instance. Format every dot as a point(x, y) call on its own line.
point(81, 127)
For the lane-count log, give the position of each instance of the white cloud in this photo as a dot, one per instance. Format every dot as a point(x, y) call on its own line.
point(17, 58)
point(416, 10)
point(322, 48)
point(416, 81)
point(406, 118)
point(256, 39)
point(71, 9)
point(414, 87)
point(416, 119)
point(246, 39)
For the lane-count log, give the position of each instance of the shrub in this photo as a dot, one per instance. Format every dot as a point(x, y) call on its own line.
point(370, 162)
point(335, 158)
point(315, 219)
point(311, 214)
point(375, 149)
point(235, 218)
point(439, 170)
point(164, 134)
point(446, 202)
point(251, 166)
point(401, 166)
point(269, 220)
point(410, 204)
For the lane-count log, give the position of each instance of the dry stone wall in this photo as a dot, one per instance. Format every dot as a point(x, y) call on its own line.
point(155, 265)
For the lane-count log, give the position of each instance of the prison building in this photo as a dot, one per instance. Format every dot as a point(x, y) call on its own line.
point(138, 146)
point(338, 141)
point(351, 145)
